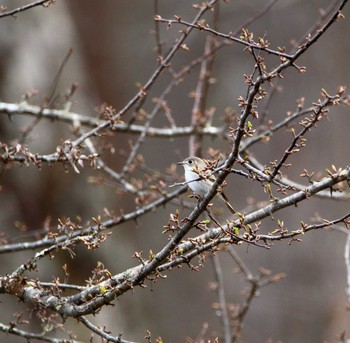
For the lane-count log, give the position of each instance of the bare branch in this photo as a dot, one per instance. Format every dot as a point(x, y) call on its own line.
point(102, 333)
point(44, 3)
point(75, 119)
point(163, 65)
point(187, 238)
point(30, 335)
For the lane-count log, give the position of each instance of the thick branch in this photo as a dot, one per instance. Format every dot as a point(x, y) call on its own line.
point(105, 292)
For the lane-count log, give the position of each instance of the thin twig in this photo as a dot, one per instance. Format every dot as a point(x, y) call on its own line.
point(30, 335)
point(318, 24)
point(228, 36)
point(241, 265)
point(133, 215)
point(296, 143)
point(163, 65)
point(51, 93)
point(255, 167)
point(102, 333)
point(45, 3)
point(255, 17)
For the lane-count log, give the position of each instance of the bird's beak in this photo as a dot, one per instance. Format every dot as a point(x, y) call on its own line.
point(180, 163)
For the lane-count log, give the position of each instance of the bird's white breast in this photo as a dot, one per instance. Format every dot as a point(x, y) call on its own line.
point(200, 187)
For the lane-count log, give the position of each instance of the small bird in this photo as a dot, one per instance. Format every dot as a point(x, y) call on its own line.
point(200, 183)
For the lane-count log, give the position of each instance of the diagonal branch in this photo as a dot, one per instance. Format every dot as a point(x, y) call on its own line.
point(44, 3)
point(105, 292)
point(30, 335)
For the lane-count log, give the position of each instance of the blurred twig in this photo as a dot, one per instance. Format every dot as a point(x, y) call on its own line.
point(200, 118)
point(219, 277)
point(263, 279)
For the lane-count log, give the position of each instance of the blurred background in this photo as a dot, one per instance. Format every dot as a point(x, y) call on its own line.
point(113, 52)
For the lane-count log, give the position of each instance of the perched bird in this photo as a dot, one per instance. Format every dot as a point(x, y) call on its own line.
point(198, 181)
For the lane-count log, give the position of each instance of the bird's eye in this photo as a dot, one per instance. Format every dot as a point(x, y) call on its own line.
point(190, 161)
